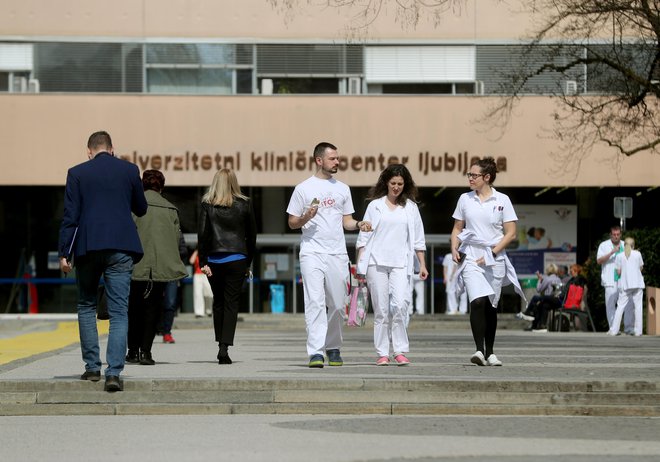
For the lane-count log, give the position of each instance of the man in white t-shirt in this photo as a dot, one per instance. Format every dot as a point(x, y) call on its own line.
point(606, 256)
point(323, 208)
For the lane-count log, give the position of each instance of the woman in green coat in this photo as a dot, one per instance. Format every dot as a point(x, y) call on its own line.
point(159, 232)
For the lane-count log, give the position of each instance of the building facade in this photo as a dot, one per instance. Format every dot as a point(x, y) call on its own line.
point(190, 87)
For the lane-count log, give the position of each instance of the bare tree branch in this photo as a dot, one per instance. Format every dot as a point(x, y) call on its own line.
point(610, 48)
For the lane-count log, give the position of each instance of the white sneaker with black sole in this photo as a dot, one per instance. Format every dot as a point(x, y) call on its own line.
point(478, 359)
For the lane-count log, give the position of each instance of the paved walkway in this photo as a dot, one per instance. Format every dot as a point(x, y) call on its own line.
point(273, 347)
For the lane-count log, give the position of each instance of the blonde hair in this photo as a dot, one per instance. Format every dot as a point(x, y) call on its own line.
point(628, 246)
point(224, 189)
point(551, 269)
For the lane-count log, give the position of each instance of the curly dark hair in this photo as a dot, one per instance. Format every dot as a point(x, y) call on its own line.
point(488, 167)
point(153, 180)
point(392, 170)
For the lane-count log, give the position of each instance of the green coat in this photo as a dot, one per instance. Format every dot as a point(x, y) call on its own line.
point(159, 232)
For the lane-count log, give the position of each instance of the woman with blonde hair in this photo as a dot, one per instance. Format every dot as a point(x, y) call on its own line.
point(227, 239)
point(629, 265)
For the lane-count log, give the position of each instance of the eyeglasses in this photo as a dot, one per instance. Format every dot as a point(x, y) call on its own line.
point(474, 176)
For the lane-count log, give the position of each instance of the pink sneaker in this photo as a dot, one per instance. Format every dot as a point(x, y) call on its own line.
point(383, 361)
point(401, 360)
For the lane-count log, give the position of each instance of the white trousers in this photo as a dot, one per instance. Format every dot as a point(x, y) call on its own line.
point(611, 296)
point(630, 299)
point(456, 303)
point(390, 296)
point(484, 281)
point(325, 284)
point(202, 295)
point(417, 305)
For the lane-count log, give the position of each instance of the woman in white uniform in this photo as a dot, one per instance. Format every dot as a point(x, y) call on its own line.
point(629, 265)
point(389, 256)
point(485, 223)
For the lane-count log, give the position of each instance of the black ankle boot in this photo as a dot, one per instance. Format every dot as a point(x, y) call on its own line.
point(146, 359)
point(223, 354)
point(133, 356)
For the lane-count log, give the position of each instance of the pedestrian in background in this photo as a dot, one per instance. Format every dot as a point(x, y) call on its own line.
point(171, 300)
point(605, 256)
point(548, 289)
point(456, 302)
point(160, 234)
point(484, 224)
point(97, 227)
point(389, 256)
point(227, 239)
point(322, 207)
point(202, 293)
point(629, 265)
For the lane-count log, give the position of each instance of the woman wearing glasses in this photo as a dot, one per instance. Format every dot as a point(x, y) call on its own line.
point(485, 223)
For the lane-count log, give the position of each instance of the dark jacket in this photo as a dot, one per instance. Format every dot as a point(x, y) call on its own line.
point(160, 233)
point(227, 230)
point(99, 197)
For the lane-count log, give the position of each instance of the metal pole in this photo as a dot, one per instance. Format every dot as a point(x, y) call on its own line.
point(432, 277)
point(294, 289)
point(252, 295)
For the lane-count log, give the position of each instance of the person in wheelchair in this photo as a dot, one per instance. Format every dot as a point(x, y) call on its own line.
point(547, 298)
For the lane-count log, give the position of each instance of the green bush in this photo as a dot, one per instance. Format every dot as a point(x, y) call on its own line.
point(647, 241)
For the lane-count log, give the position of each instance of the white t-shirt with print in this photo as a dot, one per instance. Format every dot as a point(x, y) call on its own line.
point(325, 232)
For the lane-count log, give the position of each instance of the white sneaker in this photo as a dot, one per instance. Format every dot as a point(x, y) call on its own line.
point(493, 361)
point(478, 359)
point(540, 330)
point(523, 316)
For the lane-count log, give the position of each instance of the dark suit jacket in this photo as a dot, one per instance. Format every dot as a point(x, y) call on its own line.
point(99, 198)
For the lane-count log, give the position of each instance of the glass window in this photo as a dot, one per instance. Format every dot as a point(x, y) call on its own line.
point(190, 53)
point(418, 88)
point(199, 68)
point(190, 81)
point(88, 67)
point(309, 59)
point(305, 85)
point(244, 81)
point(464, 88)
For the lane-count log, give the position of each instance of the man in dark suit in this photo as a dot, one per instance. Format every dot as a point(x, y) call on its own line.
point(98, 229)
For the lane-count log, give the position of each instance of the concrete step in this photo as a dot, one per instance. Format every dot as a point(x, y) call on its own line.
point(350, 396)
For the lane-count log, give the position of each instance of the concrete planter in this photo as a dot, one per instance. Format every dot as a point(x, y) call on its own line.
point(652, 315)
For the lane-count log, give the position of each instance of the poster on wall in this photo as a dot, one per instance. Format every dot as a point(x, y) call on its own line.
point(545, 234)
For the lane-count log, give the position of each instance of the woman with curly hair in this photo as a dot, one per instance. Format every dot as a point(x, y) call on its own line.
point(389, 255)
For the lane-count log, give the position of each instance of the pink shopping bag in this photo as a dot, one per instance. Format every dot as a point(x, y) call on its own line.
point(359, 306)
